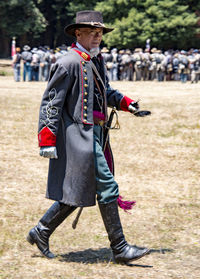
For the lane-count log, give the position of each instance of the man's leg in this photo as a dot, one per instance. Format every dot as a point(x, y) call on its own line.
point(40, 234)
point(15, 72)
point(18, 72)
point(24, 72)
point(122, 251)
point(29, 69)
point(107, 194)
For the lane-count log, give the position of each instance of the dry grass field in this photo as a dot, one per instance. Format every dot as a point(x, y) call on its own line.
point(157, 163)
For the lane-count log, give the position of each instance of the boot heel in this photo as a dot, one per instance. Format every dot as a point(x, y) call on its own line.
point(30, 239)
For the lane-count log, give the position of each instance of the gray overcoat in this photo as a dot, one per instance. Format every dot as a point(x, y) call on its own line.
point(66, 121)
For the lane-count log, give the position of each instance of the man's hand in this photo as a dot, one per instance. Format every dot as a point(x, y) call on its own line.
point(49, 152)
point(134, 107)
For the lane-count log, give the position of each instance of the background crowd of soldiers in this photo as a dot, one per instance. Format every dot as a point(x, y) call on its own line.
point(137, 65)
point(153, 64)
point(36, 62)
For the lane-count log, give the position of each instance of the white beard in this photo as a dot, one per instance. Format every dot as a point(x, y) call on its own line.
point(94, 51)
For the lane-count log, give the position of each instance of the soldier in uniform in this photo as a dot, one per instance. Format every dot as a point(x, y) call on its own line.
point(16, 62)
point(35, 63)
point(115, 63)
point(26, 56)
point(183, 66)
point(175, 67)
point(108, 60)
point(160, 66)
point(137, 58)
point(153, 66)
point(121, 67)
point(44, 57)
point(168, 65)
point(145, 64)
point(72, 116)
point(128, 65)
point(125, 64)
point(194, 60)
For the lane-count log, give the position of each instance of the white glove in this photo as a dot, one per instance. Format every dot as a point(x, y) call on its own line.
point(49, 152)
point(133, 107)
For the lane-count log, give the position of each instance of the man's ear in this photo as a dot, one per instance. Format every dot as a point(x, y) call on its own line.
point(77, 33)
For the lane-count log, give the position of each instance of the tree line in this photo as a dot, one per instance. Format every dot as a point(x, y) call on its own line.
point(167, 23)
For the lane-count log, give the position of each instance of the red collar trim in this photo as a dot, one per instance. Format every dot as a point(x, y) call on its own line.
point(84, 55)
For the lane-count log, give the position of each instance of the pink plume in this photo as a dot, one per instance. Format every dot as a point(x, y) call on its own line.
point(125, 205)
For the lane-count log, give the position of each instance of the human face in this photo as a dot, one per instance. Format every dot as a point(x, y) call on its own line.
point(89, 37)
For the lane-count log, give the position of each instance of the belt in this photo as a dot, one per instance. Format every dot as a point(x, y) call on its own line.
point(98, 121)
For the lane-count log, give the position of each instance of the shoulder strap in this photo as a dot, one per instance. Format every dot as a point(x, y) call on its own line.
point(97, 73)
point(97, 84)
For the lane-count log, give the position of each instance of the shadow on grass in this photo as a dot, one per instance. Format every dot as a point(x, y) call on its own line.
point(88, 256)
point(91, 256)
point(102, 255)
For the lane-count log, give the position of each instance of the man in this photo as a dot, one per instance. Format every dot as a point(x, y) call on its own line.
point(183, 66)
point(72, 115)
point(175, 66)
point(128, 62)
point(16, 64)
point(137, 58)
point(160, 67)
point(27, 58)
point(153, 66)
point(35, 63)
point(194, 65)
point(115, 65)
point(145, 64)
point(107, 56)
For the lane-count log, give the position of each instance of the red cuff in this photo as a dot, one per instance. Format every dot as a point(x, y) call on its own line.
point(125, 102)
point(46, 137)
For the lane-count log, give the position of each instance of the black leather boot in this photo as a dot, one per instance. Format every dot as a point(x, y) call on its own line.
point(122, 251)
point(40, 234)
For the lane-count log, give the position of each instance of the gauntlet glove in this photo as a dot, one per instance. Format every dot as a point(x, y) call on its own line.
point(133, 107)
point(49, 152)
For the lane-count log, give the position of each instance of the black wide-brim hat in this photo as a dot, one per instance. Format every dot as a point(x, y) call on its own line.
point(87, 19)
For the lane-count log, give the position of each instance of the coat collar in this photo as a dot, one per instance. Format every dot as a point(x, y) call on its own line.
point(81, 51)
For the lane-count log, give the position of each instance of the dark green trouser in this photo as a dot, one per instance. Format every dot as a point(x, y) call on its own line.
point(107, 188)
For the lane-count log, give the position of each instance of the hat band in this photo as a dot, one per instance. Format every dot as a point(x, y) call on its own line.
point(92, 23)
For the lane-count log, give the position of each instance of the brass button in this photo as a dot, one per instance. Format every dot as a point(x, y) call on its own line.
point(85, 85)
point(85, 107)
point(83, 63)
point(85, 78)
point(85, 71)
point(85, 93)
point(85, 114)
point(85, 100)
point(85, 120)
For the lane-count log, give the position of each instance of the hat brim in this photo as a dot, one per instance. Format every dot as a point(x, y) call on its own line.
point(26, 48)
point(70, 29)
